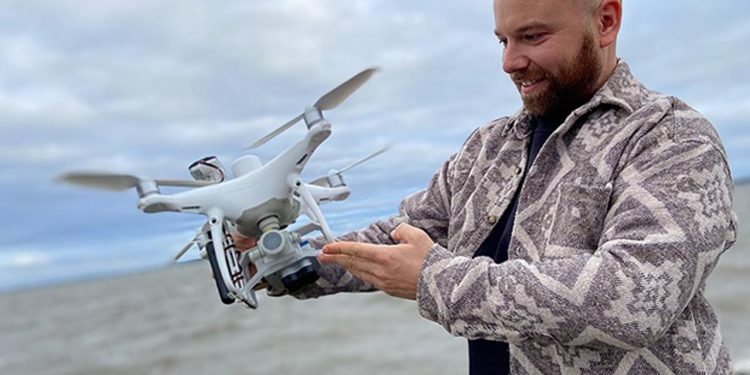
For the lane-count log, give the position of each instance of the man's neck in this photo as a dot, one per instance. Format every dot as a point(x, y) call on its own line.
point(610, 66)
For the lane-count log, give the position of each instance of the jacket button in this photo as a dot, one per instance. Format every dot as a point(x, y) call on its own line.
point(519, 170)
point(492, 219)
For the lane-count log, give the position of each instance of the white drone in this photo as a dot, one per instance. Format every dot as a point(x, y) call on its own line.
point(261, 202)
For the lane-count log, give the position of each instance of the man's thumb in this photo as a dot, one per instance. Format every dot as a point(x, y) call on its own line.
point(403, 232)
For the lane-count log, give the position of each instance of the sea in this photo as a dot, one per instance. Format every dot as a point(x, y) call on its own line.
point(170, 321)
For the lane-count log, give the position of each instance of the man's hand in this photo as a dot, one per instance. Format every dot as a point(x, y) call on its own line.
point(393, 269)
point(242, 243)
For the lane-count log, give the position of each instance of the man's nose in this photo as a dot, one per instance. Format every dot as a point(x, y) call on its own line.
point(514, 59)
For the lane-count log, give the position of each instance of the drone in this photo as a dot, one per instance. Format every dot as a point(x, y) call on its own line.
point(261, 201)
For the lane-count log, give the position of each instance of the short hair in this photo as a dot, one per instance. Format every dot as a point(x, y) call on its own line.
point(590, 5)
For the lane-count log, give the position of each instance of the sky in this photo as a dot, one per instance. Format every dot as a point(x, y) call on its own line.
point(147, 87)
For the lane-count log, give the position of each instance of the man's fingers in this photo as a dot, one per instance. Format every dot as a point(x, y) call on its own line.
point(242, 243)
point(347, 261)
point(354, 249)
point(359, 267)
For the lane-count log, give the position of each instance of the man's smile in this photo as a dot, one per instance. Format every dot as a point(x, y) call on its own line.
point(530, 86)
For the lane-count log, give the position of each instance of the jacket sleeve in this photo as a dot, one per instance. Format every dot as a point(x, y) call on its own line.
point(669, 219)
point(427, 209)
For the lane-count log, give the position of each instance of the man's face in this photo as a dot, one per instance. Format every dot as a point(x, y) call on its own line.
point(550, 53)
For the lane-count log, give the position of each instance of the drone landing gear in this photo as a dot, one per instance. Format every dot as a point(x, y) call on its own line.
point(223, 291)
point(228, 276)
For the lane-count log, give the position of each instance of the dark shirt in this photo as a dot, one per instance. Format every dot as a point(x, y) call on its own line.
point(493, 357)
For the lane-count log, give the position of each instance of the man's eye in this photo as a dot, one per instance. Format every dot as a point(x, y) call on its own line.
point(503, 42)
point(533, 37)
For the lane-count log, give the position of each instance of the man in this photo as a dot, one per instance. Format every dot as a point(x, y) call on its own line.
point(579, 231)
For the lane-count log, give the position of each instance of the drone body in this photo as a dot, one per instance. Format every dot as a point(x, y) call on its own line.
point(261, 201)
point(256, 192)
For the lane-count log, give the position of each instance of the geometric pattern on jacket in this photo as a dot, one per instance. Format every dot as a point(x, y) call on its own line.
point(622, 217)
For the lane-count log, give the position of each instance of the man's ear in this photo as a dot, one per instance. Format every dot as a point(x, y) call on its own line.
point(607, 22)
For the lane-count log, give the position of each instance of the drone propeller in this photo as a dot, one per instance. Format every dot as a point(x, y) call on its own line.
point(328, 101)
point(115, 182)
point(184, 249)
point(366, 158)
point(276, 132)
point(202, 231)
point(325, 180)
point(119, 182)
point(336, 96)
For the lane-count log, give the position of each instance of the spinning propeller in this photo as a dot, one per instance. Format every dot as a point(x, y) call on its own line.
point(119, 182)
point(194, 241)
point(334, 177)
point(328, 101)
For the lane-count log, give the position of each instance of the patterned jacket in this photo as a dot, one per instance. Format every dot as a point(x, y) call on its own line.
point(622, 217)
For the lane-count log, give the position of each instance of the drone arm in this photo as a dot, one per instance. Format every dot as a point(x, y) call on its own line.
point(324, 194)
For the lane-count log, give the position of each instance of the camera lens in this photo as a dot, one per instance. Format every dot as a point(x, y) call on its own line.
point(272, 240)
point(272, 243)
point(306, 275)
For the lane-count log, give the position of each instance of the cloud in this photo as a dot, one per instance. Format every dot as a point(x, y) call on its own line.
point(24, 259)
point(39, 153)
point(148, 87)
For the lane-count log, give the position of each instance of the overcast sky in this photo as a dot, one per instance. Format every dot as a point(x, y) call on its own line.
point(147, 87)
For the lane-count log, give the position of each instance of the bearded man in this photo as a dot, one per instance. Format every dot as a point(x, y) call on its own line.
point(575, 236)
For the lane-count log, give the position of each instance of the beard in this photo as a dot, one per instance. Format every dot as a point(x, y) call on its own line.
point(566, 91)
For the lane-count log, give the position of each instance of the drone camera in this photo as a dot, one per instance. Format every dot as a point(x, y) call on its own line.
point(273, 242)
point(207, 169)
point(304, 276)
